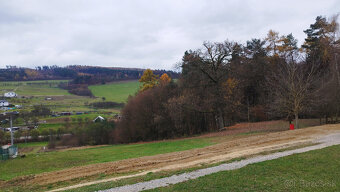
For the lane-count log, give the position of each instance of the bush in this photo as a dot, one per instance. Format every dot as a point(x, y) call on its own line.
point(35, 134)
point(90, 134)
point(107, 104)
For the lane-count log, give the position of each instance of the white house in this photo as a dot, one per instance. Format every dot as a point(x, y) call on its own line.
point(10, 94)
point(99, 119)
point(4, 103)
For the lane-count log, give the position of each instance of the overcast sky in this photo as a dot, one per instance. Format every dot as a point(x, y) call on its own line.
point(143, 34)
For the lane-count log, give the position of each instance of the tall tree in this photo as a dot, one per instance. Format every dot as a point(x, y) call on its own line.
point(291, 84)
point(148, 80)
point(204, 77)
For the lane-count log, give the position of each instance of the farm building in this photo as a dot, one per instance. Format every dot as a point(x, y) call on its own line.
point(99, 119)
point(4, 103)
point(10, 94)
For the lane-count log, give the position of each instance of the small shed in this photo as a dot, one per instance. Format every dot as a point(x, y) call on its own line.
point(99, 119)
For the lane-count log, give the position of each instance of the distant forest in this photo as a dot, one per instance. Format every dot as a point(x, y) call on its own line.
point(79, 74)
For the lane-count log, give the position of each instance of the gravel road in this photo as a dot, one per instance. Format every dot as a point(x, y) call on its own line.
point(326, 141)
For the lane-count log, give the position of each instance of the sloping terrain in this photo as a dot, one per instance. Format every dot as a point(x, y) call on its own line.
point(232, 147)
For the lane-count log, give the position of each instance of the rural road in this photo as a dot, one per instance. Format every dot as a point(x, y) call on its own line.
point(329, 140)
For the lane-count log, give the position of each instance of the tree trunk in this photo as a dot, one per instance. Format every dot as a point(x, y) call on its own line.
point(220, 121)
point(296, 120)
point(248, 110)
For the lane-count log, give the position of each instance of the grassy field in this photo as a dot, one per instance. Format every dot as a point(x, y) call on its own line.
point(31, 144)
point(51, 161)
point(36, 92)
point(117, 92)
point(34, 88)
point(58, 122)
point(311, 171)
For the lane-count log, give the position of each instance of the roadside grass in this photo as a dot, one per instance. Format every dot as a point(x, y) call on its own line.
point(311, 171)
point(117, 91)
point(57, 160)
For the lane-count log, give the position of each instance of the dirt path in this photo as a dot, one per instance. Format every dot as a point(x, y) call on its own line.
point(231, 148)
point(329, 140)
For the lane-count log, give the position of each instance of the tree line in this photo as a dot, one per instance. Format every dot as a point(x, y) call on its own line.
point(78, 73)
point(227, 82)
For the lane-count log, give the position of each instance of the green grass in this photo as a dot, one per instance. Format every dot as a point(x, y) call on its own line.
point(36, 92)
point(31, 144)
point(311, 171)
point(34, 88)
point(117, 92)
point(48, 126)
point(51, 161)
point(91, 116)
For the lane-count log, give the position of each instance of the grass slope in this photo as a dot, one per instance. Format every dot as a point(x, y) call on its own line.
point(34, 88)
point(118, 92)
point(51, 161)
point(311, 171)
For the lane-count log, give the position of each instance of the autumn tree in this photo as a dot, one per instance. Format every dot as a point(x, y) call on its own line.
point(291, 84)
point(204, 79)
point(272, 40)
point(164, 79)
point(252, 72)
point(148, 80)
point(322, 47)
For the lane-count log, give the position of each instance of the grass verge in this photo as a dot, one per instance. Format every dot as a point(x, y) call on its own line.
point(311, 171)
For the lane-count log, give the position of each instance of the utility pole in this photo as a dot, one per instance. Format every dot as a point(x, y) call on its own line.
point(11, 124)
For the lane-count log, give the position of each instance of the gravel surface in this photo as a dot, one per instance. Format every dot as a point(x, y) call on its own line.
point(326, 141)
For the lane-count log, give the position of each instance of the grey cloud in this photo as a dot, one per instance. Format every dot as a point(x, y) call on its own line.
point(151, 34)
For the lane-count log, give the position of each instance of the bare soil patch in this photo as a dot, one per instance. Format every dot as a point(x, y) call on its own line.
point(229, 148)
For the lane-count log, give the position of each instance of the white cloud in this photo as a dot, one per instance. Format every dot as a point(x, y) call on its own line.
point(151, 34)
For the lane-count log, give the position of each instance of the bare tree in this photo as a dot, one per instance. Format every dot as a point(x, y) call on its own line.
point(291, 89)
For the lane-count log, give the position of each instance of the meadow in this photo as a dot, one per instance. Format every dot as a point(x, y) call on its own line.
point(34, 88)
point(117, 91)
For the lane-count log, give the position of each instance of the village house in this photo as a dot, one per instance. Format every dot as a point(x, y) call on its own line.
point(4, 103)
point(10, 94)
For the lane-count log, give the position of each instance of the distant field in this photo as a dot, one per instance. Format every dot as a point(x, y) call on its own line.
point(34, 88)
point(118, 91)
point(51, 161)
